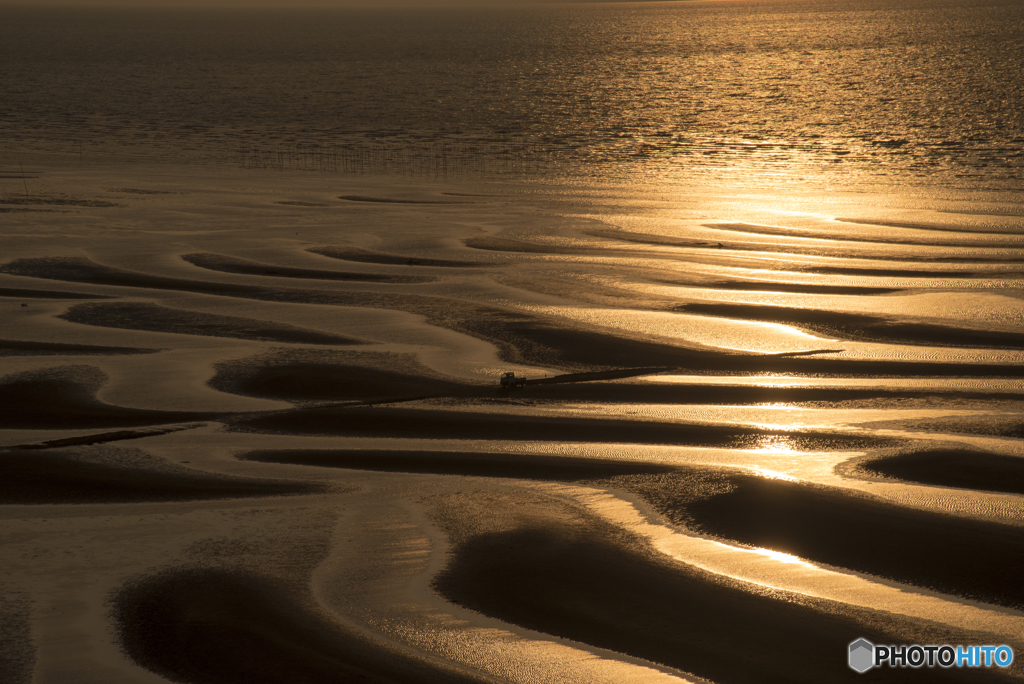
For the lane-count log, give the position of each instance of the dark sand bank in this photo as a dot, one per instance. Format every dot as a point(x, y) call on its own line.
point(546, 567)
point(961, 468)
point(64, 398)
point(27, 348)
point(370, 257)
point(968, 558)
point(793, 288)
point(382, 421)
point(994, 425)
point(392, 200)
point(836, 235)
point(308, 375)
point(863, 327)
point(515, 465)
point(156, 318)
point(745, 395)
point(110, 475)
point(520, 337)
point(105, 437)
point(901, 272)
point(17, 648)
point(881, 254)
point(229, 264)
point(204, 626)
point(23, 293)
point(496, 244)
point(57, 201)
point(923, 225)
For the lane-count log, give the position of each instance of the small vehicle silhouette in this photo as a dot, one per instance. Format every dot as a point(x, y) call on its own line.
point(510, 379)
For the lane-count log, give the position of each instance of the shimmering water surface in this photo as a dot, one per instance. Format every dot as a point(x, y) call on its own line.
point(760, 92)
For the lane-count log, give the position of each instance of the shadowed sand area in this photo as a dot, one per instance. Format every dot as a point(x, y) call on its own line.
point(923, 225)
point(392, 200)
point(370, 257)
point(27, 348)
point(228, 264)
point(516, 465)
point(156, 318)
point(205, 626)
point(803, 250)
point(495, 244)
point(113, 475)
point(882, 239)
point(863, 327)
point(23, 293)
point(312, 375)
point(17, 650)
point(792, 288)
point(64, 398)
point(520, 337)
point(355, 421)
point(961, 468)
point(744, 395)
point(543, 565)
point(959, 556)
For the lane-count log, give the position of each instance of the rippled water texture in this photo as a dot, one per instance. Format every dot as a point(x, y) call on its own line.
point(768, 92)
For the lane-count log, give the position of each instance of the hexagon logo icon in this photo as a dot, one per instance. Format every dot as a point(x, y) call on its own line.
point(862, 655)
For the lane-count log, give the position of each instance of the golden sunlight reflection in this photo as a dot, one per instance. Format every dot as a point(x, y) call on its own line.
point(771, 474)
point(783, 557)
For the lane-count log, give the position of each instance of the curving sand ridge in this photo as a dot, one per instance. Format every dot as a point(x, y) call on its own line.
point(228, 264)
point(65, 398)
point(115, 475)
point(143, 316)
point(558, 570)
point(272, 446)
point(966, 468)
point(976, 560)
point(216, 627)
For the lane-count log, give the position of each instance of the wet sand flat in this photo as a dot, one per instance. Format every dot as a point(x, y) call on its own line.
point(286, 378)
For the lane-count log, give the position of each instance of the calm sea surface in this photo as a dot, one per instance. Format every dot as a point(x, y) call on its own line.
point(929, 91)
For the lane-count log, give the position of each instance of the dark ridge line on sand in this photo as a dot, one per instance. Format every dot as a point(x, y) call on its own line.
point(593, 376)
point(161, 319)
point(34, 477)
point(214, 626)
point(977, 560)
point(388, 200)
point(520, 337)
point(367, 256)
point(668, 241)
point(481, 464)
point(104, 437)
point(957, 468)
point(16, 292)
point(854, 326)
point(386, 421)
point(840, 237)
point(794, 288)
point(229, 264)
point(932, 226)
point(58, 202)
point(496, 244)
point(26, 348)
point(561, 571)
